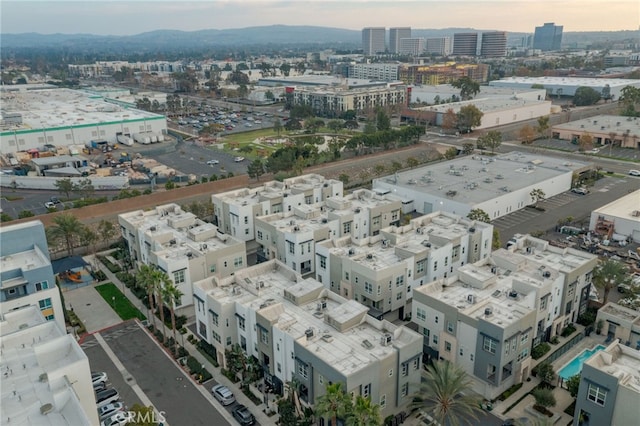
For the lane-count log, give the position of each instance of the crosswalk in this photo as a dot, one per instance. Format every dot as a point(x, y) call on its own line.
point(110, 334)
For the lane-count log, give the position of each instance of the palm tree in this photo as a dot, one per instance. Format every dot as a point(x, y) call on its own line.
point(364, 413)
point(335, 403)
point(444, 392)
point(173, 297)
point(162, 280)
point(145, 279)
point(609, 274)
point(66, 227)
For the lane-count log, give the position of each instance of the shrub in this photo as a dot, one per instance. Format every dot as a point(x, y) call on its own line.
point(555, 340)
point(568, 330)
point(99, 275)
point(538, 351)
point(506, 394)
point(588, 318)
point(544, 397)
point(544, 371)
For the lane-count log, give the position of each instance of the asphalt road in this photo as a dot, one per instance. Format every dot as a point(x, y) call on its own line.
point(159, 378)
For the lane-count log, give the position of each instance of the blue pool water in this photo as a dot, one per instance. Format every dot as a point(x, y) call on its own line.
point(575, 365)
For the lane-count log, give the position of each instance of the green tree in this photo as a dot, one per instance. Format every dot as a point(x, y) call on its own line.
point(255, 169)
point(573, 384)
point(451, 153)
point(64, 186)
point(495, 244)
point(364, 413)
point(169, 185)
point(143, 416)
point(630, 98)
point(173, 297)
point(66, 228)
point(268, 95)
point(469, 117)
point(491, 140)
point(146, 280)
point(468, 87)
point(335, 403)
point(536, 195)
point(412, 162)
point(609, 274)
point(544, 371)
point(277, 126)
point(544, 397)
point(383, 122)
point(543, 126)
point(335, 125)
point(162, 282)
point(5, 217)
point(479, 215)
point(585, 96)
point(344, 178)
point(449, 120)
point(467, 148)
point(84, 188)
point(526, 134)
point(445, 394)
point(28, 213)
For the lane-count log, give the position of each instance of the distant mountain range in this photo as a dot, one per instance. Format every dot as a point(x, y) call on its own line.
point(266, 35)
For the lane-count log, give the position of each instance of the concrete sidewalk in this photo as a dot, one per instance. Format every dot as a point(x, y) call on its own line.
point(258, 411)
point(94, 312)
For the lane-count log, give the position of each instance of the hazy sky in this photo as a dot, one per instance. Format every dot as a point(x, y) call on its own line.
point(136, 16)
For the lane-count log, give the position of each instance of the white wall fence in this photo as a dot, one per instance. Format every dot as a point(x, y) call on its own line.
point(38, 182)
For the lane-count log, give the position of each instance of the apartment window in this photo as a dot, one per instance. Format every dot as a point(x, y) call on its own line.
point(292, 247)
point(278, 347)
point(346, 276)
point(320, 379)
point(446, 261)
point(416, 363)
point(435, 339)
point(375, 221)
point(447, 346)
point(522, 355)
point(398, 296)
point(524, 338)
point(212, 269)
point(383, 401)
point(471, 357)
point(449, 327)
point(543, 303)
point(436, 319)
point(421, 314)
point(241, 323)
point(246, 220)
point(243, 343)
point(420, 266)
point(45, 304)
point(435, 266)
point(216, 337)
point(264, 336)
point(49, 317)
point(405, 369)
point(391, 372)
point(279, 368)
point(42, 286)
point(323, 262)
point(426, 333)
point(237, 262)
point(404, 390)
point(214, 318)
point(229, 341)
point(368, 287)
point(259, 235)
point(400, 281)
point(178, 276)
point(395, 215)
point(506, 347)
point(366, 390)
point(225, 263)
point(597, 394)
point(346, 228)
point(489, 345)
point(461, 352)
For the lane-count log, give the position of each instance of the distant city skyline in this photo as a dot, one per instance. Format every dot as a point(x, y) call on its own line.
point(138, 16)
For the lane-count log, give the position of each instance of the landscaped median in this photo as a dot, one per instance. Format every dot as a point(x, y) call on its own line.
point(119, 302)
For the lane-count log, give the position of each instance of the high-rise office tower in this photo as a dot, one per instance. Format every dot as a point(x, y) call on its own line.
point(494, 44)
point(465, 44)
point(548, 37)
point(411, 46)
point(438, 45)
point(395, 35)
point(373, 40)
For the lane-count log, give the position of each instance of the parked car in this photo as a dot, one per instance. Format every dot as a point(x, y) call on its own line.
point(223, 395)
point(110, 409)
point(593, 151)
point(106, 397)
point(99, 387)
point(634, 172)
point(49, 205)
point(238, 159)
point(55, 200)
point(243, 415)
point(118, 419)
point(212, 162)
point(98, 376)
point(580, 191)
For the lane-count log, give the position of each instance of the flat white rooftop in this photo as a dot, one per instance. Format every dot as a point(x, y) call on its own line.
point(375, 256)
point(604, 124)
point(621, 362)
point(567, 81)
point(56, 108)
point(624, 208)
point(485, 104)
point(24, 261)
point(475, 179)
point(562, 259)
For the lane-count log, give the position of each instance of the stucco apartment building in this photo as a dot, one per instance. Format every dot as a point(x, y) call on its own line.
point(442, 73)
point(609, 387)
point(302, 333)
point(487, 317)
point(178, 243)
point(46, 379)
point(381, 271)
point(26, 274)
point(328, 101)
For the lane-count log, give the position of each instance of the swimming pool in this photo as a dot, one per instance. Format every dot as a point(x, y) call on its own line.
point(574, 366)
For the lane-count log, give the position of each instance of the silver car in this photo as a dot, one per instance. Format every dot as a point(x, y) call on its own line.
point(223, 394)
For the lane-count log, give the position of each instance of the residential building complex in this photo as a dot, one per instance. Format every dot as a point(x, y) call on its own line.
point(395, 37)
point(333, 102)
point(620, 323)
point(382, 71)
point(548, 37)
point(302, 333)
point(185, 247)
point(465, 44)
point(442, 73)
point(46, 378)
point(438, 45)
point(381, 271)
point(26, 274)
point(494, 44)
point(609, 387)
point(374, 40)
point(487, 316)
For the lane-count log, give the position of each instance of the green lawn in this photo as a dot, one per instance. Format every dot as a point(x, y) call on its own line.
point(119, 302)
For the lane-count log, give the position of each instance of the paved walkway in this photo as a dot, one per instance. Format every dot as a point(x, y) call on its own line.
point(94, 312)
point(103, 311)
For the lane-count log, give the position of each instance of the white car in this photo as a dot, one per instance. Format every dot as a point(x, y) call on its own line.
point(593, 151)
point(634, 172)
point(223, 394)
point(110, 410)
point(212, 162)
point(49, 205)
point(238, 159)
point(118, 419)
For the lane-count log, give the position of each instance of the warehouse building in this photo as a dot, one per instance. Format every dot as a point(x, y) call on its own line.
point(566, 86)
point(604, 129)
point(618, 220)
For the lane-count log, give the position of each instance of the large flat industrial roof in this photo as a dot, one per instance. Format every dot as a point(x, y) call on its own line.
point(64, 108)
point(484, 104)
point(476, 179)
point(604, 124)
point(565, 81)
point(627, 207)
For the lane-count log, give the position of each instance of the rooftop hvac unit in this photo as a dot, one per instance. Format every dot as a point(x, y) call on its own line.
point(357, 210)
point(529, 250)
point(203, 247)
point(471, 298)
point(513, 294)
point(153, 229)
point(352, 251)
point(386, 339)
point(324, 220)
point(546, 274)
point(189, 254)
point(426, 243)
point(369, 256)
point(309, 333)
point(292, 222)
point(296, 228)
point(494, 269)
point(488, 312)
point(172, 242)
point(385, 243)
point(236, 290)
point(472, 230)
